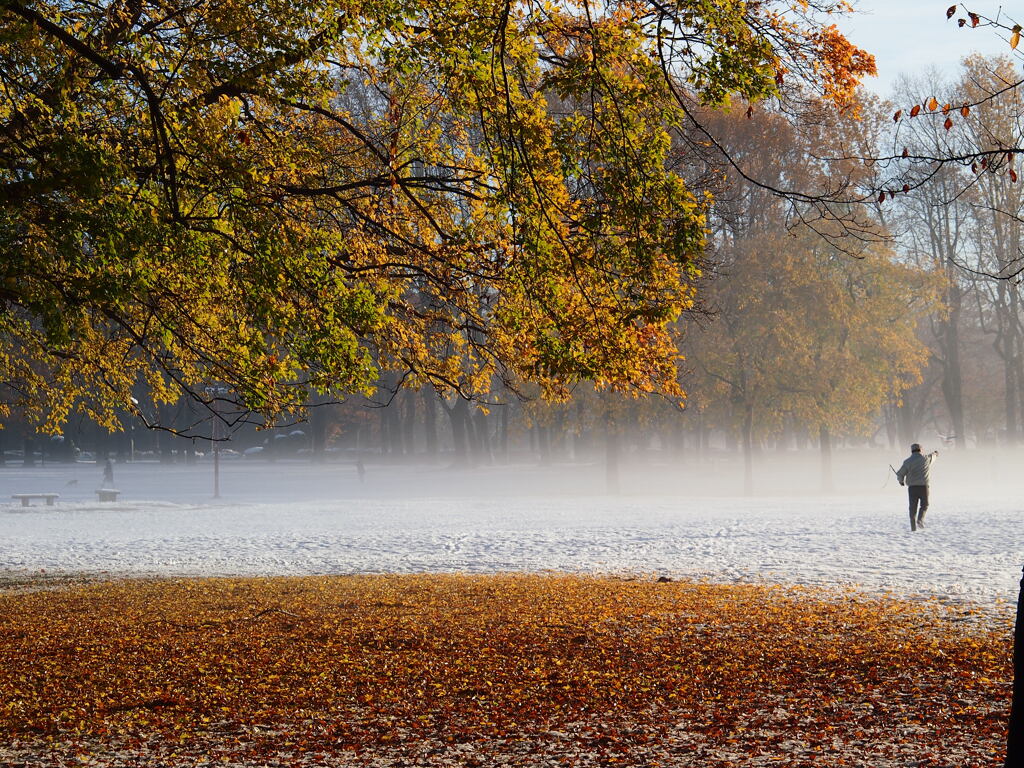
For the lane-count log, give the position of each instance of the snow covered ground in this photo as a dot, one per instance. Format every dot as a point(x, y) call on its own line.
point(681, 519)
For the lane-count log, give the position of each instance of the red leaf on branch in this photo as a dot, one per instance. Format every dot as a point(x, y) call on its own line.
point(905, 152)
point(950, 11)
point(948, 124)
point(916, 110)
point(897, 116)
point(975, 19)
point(965, 110)
point(1013, 176)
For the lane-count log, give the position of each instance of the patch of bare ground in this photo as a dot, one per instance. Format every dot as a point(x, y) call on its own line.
point(504, 670)
point(14, 581)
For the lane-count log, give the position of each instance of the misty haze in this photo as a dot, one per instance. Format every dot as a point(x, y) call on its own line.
point(676, 515)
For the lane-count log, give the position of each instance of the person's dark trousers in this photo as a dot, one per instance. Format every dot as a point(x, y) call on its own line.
point(918, 504)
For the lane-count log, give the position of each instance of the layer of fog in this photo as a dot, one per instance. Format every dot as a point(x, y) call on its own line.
point(674, 516)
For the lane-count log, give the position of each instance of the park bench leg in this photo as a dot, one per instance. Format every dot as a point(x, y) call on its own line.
point(24, 502)
point(49, 501)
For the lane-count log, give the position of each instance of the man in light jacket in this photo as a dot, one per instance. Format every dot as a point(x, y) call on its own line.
point(915, 474)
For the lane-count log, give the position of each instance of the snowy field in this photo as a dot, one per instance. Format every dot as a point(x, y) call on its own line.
point(679, 520)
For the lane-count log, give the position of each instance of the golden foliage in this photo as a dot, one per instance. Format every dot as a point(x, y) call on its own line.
point(289, 200)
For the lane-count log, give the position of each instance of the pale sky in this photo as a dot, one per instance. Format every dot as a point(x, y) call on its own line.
point(909, 36)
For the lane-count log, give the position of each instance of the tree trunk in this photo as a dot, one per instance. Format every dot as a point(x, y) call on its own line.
point(1015, 733)
point(396, 445)
point(891, 428)
point(748, 449)
point(557, 434)
point(504, 434)
point(611, 455)
point(457, 416)
point(409, 429)
point(472, 438)
point(318, 429)
point(483, 437)
point(825, 438)
point(699, 446)
point(544, 441)
point(1018, 368)
point(952, 376)
point(1012, 388)
point(579, 431)
point(430, 420)
point(1008, 347)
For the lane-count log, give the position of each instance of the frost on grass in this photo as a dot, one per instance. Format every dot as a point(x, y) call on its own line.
point(485, 670)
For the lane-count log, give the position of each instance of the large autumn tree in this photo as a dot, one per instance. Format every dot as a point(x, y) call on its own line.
point(805, 337)
point(284, 198)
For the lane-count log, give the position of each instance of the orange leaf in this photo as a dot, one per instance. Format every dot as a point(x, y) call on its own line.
point(946, 108)
point(916, 110)
point(933, 103)
point(948, 124)
point(1015, 37)
point(975, 19)
point(965, 110)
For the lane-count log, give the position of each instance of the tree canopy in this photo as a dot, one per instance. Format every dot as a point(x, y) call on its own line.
point(283, 198)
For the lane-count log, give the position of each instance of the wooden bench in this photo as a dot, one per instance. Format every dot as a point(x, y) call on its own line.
point(27, 497)
point(107, 494)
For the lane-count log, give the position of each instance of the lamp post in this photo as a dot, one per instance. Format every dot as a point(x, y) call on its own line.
point(131, 430)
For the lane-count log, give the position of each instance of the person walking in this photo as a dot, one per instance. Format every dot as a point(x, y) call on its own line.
point(915, 474)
